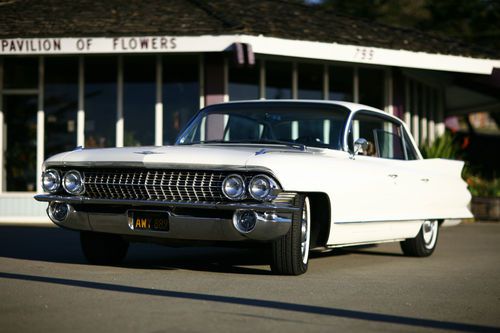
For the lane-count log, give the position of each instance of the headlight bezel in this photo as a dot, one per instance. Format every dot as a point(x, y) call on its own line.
point(242, 193)
point(58, 181)
point(269, 194)
point(81, 190)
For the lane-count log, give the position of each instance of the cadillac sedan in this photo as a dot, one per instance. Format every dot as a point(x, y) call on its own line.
point(290, 176)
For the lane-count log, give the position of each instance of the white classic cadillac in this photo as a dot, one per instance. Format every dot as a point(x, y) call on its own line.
point(290, 175)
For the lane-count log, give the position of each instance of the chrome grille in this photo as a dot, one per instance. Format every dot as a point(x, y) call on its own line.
point(158, 185)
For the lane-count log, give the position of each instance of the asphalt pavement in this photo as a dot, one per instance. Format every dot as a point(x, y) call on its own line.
point(46, 286)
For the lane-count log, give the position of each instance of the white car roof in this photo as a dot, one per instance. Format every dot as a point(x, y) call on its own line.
point(350, 105)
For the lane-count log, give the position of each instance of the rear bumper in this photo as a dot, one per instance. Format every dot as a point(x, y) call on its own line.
point(273, 220)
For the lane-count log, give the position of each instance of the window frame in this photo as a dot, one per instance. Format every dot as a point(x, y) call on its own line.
point(386, 117)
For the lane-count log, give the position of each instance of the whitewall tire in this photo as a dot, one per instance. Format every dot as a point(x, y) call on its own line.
point(425, 243)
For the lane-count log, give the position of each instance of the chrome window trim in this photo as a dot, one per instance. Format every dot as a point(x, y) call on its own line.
point(382, 115)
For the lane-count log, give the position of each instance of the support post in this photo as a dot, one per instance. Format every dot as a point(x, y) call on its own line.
point(2, 143)
point(159, 102)
point(415, 129)
point(262, 79)
point(295, 81)
point(326, 82)
point(119, 104)
point(80, 116)
point(40, 125)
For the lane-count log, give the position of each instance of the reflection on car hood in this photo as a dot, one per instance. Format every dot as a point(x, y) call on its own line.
point(204, 156)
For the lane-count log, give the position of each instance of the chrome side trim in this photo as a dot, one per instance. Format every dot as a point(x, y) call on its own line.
point(365, 243)
point(379, 221)
point(217, 205)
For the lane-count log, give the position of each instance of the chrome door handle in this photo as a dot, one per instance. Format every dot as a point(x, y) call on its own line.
point(425, 180)
point(393, 175)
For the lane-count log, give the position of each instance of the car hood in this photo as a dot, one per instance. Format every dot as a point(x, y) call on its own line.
point(208, 156)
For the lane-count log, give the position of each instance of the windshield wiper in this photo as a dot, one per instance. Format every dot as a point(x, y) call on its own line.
point(278, 142)
point(203, 142)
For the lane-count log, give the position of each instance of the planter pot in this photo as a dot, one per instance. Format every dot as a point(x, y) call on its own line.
point(485, 208)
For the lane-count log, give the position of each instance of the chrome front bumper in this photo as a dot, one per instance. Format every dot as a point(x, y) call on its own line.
point(273, 220)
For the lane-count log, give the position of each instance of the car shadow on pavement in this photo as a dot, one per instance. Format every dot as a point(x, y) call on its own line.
point(57, 245)
point(205, 259)
point(50, 244)
point(368, 249)
point(293, 307)
point(371, 253)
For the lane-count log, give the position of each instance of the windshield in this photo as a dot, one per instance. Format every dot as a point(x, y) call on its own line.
point(291, 123)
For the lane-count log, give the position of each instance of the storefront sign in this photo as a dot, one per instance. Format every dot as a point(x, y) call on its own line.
point(112, 45)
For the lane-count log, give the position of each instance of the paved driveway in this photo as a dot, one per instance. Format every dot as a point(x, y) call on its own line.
point(46, 286)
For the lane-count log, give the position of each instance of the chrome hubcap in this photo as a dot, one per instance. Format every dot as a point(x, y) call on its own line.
point(429, 233)
point(305, 225)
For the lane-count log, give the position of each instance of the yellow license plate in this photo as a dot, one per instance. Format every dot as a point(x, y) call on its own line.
point(156, 221)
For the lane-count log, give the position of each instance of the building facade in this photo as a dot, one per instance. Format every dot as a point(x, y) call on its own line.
point(103, 75)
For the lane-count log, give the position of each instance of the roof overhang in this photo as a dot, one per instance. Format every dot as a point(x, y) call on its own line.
point(260, 45)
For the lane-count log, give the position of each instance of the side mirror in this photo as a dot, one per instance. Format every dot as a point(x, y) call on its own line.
point(359, 145)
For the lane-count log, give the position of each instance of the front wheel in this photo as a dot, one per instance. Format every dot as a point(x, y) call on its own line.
point(424, 244)
point(291, 251)
point(103, 249)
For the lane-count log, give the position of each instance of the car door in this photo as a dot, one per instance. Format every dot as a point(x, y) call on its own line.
point(376, 164)
point(385, 181)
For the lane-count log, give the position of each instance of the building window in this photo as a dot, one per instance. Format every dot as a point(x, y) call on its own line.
point(341, 83)
point(310, 81)
point(243, 82)
point(20, 106)
point(20, 73)
point(181, 93)
point(100, 101)
point(20, 124)
point(139, 97)
point(371, 87)
point(60, 104)
point(278, 80)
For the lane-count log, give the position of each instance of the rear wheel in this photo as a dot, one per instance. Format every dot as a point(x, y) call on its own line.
point(103, 249)
point(424, 244)
point(291, 251)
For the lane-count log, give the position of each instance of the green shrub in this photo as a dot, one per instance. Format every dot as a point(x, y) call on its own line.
point(443, 147)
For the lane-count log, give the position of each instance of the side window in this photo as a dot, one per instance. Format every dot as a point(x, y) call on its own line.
point(384, 136)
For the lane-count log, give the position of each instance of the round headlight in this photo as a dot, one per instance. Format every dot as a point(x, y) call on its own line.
point(73, 183)
point(262, 188)
point(233, 187)
point(51, 181)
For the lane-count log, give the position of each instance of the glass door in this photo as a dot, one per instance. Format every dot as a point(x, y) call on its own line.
point(20, 125)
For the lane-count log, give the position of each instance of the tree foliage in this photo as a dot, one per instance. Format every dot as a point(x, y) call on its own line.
point(472, 21)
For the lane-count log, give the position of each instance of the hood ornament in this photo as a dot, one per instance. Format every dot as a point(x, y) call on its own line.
point(261, 152)
point(146, 152)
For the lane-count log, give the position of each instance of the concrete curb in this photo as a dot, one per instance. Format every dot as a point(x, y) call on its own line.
point(23, 221)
